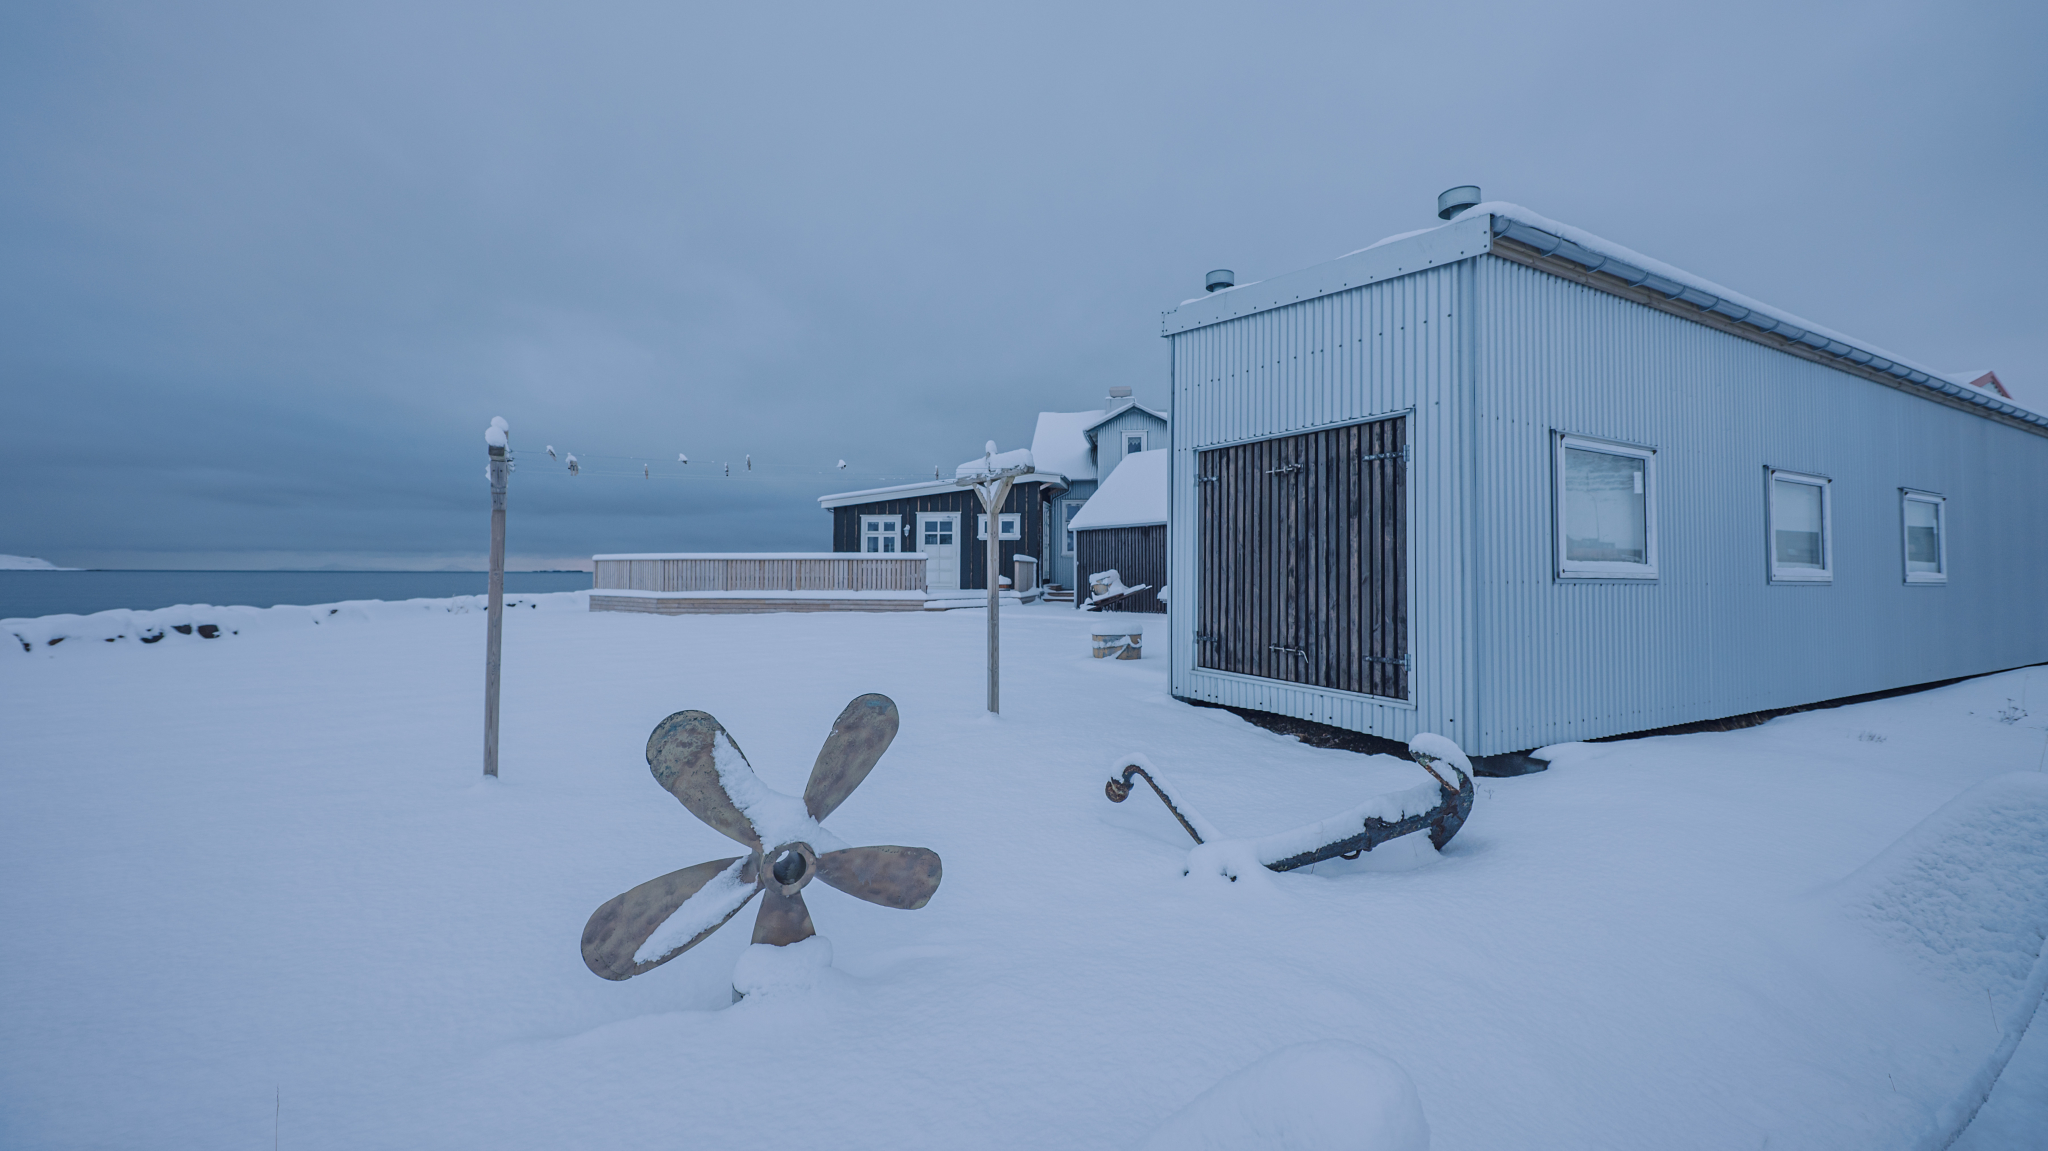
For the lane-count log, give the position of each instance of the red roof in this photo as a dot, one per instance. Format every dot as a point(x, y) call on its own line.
point(1990, 380)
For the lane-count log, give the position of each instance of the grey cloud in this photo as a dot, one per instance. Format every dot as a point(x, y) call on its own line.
point(266, 271)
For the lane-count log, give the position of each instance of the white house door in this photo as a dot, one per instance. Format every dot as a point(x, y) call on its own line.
point(878, 533)
point(938, 535)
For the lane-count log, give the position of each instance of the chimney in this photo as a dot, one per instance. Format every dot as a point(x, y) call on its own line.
point(1118, 395)
point(1456, 200)
point(1221, 278)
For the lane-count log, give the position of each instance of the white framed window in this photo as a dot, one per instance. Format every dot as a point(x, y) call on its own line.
point(1010, 525)
point(1802, 517)
point(880, 533)
point(1923, 523)
point(1606, 504)
point(1134, 442)
point(1068, 510)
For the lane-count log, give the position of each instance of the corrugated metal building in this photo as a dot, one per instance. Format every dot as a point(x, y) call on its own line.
point(1509, 482)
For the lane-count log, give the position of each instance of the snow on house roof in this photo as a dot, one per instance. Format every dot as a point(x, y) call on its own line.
point(1060, 443)
point(1134, 494)
point(1111, 414)
point(1484, 223)
point(1001, 461)
point(1061, 451)
point(921, 488)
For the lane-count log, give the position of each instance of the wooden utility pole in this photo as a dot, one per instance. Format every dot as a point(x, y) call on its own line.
point(496, 439)
point(994, 489)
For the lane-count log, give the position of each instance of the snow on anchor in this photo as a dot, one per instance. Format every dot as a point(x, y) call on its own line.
point(1437, 807)
point(697, 761)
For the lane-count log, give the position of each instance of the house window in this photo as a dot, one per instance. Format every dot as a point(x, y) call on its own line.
point(1925, 519)
point(938, 532)
point(1134, 442)
point(1010, 525)
point(879, 533)
point(1606, 510)
point(1802, 529)
point(1068, 510)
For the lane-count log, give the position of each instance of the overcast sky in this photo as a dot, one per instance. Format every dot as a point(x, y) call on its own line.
point(266, 271)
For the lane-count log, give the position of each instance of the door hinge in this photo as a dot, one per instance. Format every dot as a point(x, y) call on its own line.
point(1401, 662)
point(1279, 471)
point(1401, 455)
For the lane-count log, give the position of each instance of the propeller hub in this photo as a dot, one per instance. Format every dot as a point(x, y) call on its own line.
point(792, 865)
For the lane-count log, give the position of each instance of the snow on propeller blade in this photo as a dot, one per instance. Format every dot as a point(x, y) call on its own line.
point(696, 760)
point(1347, 835)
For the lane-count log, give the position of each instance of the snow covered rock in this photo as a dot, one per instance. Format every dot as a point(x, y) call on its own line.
point(191, 622)
point(1323, 1096)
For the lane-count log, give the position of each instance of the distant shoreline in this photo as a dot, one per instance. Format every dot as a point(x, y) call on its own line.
point(33, 592)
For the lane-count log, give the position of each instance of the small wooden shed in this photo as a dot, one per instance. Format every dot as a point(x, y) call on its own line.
point(1123, 527)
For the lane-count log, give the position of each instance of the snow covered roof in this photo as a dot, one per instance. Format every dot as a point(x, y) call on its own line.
point(922, 488)
point(1475, 232)
point(1001, 461)
point(1114, 412)
point(1060, 443)
point(1134, 494)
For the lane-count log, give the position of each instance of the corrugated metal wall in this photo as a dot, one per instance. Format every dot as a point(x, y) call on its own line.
point(1380, 350)
point(1712, 637)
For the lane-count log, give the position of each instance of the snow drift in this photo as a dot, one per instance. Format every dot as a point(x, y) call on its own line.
point(1323, 1096)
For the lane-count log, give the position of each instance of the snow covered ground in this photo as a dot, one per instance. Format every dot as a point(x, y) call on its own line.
point(261, 871)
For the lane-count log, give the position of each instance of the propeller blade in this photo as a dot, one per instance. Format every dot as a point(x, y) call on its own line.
point(859, 737)
point(684, 754)
point(784, 919)
point(617, 931)
point(901, 877)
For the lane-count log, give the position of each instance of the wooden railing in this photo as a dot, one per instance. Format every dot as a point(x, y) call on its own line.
point(765, 571)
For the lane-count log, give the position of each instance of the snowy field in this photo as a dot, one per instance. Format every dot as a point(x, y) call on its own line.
point(254, 885)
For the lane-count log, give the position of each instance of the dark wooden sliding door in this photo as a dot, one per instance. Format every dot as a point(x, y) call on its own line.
point(1304, 559)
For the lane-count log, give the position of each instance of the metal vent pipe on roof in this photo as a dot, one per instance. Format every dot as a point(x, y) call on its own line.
point(1456, 200)
point(1221, 278)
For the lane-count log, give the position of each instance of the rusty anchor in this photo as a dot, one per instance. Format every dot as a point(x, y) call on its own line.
point(1442, 820)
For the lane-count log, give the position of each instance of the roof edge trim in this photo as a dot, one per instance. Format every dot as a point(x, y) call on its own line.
point(1728, 314)
point(1461, 239)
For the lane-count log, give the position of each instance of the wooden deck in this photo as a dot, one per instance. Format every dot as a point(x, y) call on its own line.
point(727, 583)
point(685, 603)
